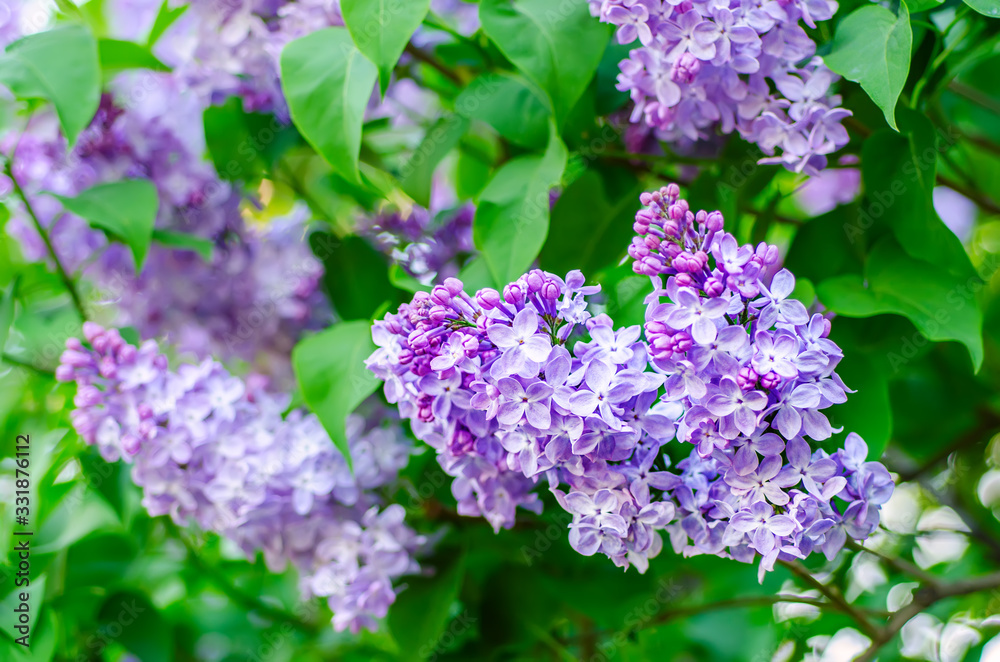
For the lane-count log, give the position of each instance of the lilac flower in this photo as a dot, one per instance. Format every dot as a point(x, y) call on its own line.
point(730, 364)
point(525, 346)
point(532, 404)
point(221, 456)
point(707, 66)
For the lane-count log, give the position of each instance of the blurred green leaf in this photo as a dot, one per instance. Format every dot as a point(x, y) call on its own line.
point(989, 8)
point(116, 55)
point(591, 225)
point(899, 174)
point(142, 630)
point(418, 172)
point(164, 19)
point(557, 46)
point(6, 315)
point(330, 369)
point(61, 66)
point(421, 612)
point(355, 274)
point(80, 514)
point(243, 145)
point(872, 47)
point(381, 29)
point(125, 209)
point(512, 220)
point(941, 306)
point(508, 105)
point(182, 241)
point(328, 82)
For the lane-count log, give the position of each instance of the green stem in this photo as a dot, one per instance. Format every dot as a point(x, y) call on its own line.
point(244, 600)
point(67, 281)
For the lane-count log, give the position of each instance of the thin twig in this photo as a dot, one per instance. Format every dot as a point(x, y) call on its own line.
point(900, 565)
point(987, 424)
point(245, 600)
point(834, 596)
point(984, 203)
point(430, 60)
point(67, 281)
point(923, 598)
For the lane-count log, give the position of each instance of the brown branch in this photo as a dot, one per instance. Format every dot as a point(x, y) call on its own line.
point(433, 62)
point(923, 598)
point(834, 596)
point(982, 201)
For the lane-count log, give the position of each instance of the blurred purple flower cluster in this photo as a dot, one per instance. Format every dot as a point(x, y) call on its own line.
point(429, 244)
point(744, 65)
point(255, 296)
point(209, 448)
point(509, 387)
point(222, 49)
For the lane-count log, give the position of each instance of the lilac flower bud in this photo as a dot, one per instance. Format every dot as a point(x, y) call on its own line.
point(512, 294)
point(770, 380)
point(714, 287)
point(441, 295)
point(535, 281)
point(715, 221)
point(550, 291)
point(488, 298)
point(685, 69)
point(454, 286)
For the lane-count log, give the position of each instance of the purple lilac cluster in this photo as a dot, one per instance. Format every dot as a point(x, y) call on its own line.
point(751, 371)
point(209, 448)
point(513, 386)
point(223, 49)
point(251, 301)
point(744, 65)
point(490, 382)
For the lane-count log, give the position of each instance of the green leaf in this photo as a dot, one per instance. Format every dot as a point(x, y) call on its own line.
point(404, 281)
point(182, 241)
point(417, 173)
point(989, 8)
point(421, 612)
point(558, 46)
point(872, 47)
point(508, 105)
point(607, 205)
point(512, 220)
point(382, 28)
point(164, 19)
point(355, 275)
point(143, 631)
point(126, 210)
point(942, 306)
point(60, 66)
point(244, 145)
point(328, 83)
point(6, 315)
point(330, 369)
point(899, 173)
point(116, 55)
